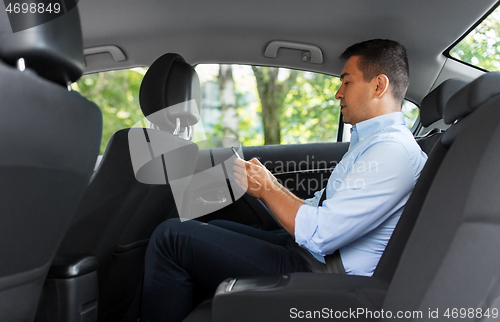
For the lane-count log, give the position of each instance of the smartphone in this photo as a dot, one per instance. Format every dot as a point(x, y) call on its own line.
point(236, 153)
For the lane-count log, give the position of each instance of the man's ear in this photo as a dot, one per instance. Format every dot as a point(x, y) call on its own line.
point(382, 85)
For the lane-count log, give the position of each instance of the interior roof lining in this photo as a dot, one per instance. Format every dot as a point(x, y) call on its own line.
point(223, 31)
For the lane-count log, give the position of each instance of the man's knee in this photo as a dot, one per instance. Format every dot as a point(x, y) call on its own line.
point(168, 232)
point(167, 228)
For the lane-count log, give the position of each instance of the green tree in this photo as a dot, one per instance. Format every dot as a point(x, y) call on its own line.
point(411, 112)
point(310, 111)
point(482, 46)
point(250, 116)
point(272, 94)
point(228, 101)
point(117, 95)
point(274, 105)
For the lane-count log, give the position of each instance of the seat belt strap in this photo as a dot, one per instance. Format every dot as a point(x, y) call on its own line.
point(333, 261)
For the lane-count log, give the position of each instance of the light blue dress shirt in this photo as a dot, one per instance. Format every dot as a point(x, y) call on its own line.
point(365, 195)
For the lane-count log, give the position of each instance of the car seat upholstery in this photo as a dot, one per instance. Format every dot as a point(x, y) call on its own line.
point(49, 138)
point(118, 213)
point(455, 237)
point(432, 110)
point(373, 290)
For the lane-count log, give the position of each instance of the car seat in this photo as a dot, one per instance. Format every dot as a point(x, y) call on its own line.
point(450, 260)
point(119, 212)
point(431, 111)
point(49, 139)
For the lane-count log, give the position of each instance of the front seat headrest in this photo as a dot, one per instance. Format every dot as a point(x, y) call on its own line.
point(472, 96)
point(169, 91)
point(54, 50)
point(433, 105)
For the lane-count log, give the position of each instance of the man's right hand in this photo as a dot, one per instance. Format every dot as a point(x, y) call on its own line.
point(253, 177)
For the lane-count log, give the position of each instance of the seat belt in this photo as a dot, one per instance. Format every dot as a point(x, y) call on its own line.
point(323, 198)
point(333, 261)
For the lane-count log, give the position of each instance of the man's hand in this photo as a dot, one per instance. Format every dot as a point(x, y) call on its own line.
point(259, 182)
point(253, 177)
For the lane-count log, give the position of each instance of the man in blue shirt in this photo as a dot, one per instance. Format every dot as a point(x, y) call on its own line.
point(353, 217)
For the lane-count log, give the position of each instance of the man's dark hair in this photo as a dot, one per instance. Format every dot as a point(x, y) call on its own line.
point(382, 56)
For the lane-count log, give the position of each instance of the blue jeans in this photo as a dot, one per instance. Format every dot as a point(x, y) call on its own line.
point(183, 256)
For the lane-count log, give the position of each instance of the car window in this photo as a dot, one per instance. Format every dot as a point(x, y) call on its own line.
point(117, 95)
point(266, 105)
point(411, 113)
point(299, 106)
point(481, 46)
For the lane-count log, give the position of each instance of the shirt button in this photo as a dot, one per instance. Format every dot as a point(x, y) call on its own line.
point(361, 139)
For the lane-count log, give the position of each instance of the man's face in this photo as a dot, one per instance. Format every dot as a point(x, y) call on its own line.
point(354, 94)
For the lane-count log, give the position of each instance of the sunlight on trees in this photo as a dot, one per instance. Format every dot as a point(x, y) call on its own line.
point(117, 95)
point(481, 47)
point(310, 111)
point(299, 106)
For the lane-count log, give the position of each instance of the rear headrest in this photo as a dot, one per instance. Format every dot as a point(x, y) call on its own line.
point(54, 50)
point(472, 96)
point(433, 105)
point(170, 90)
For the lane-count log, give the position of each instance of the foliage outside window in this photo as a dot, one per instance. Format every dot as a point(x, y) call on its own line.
point(117, 95)
point(411, 112)
point(255, 105)
point(268, 105)
point(481, 47)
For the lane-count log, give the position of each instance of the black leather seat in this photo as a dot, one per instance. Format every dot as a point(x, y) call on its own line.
point(450, 259)
point(123, 204)
point(49, 138)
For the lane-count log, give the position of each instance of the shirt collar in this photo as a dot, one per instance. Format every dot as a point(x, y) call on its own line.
point(365, 129)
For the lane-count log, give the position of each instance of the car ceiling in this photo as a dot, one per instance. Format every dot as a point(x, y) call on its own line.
point(237, 31)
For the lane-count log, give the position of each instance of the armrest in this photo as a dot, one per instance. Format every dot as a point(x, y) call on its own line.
point(72, 265)
point(280, 298)
point(70, 292)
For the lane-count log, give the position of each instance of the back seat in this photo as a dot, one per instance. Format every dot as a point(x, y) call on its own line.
point(451, 259)
point(431, 110)
point(345, 291)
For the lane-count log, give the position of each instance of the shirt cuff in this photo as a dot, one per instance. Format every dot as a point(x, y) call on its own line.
point(305, 226)
point(314, 201)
